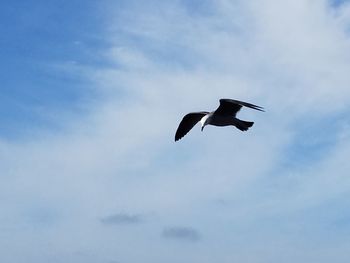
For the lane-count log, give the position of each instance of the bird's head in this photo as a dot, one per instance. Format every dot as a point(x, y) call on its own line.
point(204, 121)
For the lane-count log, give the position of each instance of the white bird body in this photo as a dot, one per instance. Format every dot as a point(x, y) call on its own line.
point(204, 120)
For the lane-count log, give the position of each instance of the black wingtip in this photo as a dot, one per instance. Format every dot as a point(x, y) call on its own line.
point(242, 103)
point(255, 107)
point(260, 108)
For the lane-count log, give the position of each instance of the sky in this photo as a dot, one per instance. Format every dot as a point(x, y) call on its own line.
point(92, 93)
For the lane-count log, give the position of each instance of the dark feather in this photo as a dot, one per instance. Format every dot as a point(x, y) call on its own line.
point(188, 122)
point(231, 107)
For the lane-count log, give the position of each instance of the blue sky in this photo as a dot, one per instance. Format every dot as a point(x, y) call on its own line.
point(36, 37)
point(92, 93)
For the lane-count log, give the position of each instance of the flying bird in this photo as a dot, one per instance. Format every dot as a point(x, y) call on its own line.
point(224, 115)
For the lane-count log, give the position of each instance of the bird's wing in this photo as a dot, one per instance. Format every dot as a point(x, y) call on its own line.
point(231, 107)
point(188, 122)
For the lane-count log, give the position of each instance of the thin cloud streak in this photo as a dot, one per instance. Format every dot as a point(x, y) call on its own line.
point(181, 233)
point(121, 219)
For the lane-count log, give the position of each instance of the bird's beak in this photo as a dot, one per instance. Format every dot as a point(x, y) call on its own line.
point(202, 128)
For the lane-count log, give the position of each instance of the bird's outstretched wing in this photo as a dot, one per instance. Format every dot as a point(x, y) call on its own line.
point(231, 107)
point(188, 122)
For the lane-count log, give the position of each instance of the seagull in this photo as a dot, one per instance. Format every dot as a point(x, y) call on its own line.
point(224, 115)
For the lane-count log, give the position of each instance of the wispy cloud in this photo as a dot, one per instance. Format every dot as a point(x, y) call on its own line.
point(181, 233)
point(121, 219)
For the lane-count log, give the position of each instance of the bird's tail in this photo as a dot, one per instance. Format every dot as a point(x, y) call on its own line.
point(243, 125)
